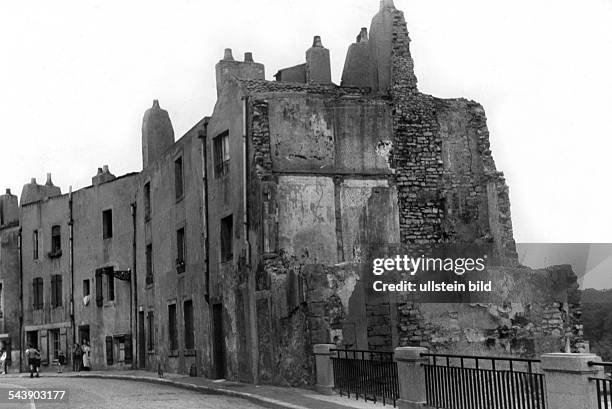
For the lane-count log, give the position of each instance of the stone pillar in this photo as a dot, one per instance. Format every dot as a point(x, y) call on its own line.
point(411, 377)
point(324, 368)
point(567, 380)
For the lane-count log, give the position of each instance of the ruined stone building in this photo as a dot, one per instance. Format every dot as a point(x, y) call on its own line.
point(248, 240)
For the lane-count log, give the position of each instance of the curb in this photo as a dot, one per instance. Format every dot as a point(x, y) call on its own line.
point(266, 402)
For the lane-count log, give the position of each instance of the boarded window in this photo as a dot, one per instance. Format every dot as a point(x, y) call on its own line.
point(147, 201)
point(99, 293)
point(56, 290)
point(37, 293)
point(178, 177)
point(227, 239)
point(172, 334)
point(35, 244)
point(107, 224)
point(221, 154)
point(56, 239)
point(109, 350)
point(189, 329)
point(151, 331)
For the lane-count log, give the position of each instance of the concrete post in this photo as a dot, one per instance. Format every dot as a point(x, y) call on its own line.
point(567, 380)
point(411, 377)
point(324, 368)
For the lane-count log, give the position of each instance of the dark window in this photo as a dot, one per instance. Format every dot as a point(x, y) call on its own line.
point(147, 201)
point(109, 350)
point(188, 318)
point(178, 177)
point(56, 290)
point(86, 289)
point(221, 153)
point(56, 240)
point(35, 245)
point(110, 284)
point(149, 263)
point(107, 224)
point(226, 239)
point(37, 293)
point(172, 335)
point(99, 293)
point(151, 331)
point(180, 245)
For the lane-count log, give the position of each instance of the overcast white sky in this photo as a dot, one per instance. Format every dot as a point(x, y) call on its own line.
point(76, 77)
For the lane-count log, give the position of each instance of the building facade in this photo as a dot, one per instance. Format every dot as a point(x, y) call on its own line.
point(250, 238)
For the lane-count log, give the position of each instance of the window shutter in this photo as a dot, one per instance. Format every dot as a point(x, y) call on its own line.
point(41, 299)
point(99, 294)
point(109, 350)
point(35, 293)
point(54, 291)
point(128, 348)
point(58, 290)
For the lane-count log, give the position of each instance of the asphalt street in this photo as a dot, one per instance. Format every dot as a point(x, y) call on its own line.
point(110, 393)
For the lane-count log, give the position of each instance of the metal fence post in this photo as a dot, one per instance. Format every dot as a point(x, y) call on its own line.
point(324, 368)
point(411, 376)
point(567, 380)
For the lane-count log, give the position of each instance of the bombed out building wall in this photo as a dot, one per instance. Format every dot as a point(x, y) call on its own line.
point(336, 172)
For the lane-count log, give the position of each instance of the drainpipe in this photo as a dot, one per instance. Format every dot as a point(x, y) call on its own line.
point(21, 346)
point(245, 210)
point(206, 243)
point(134, 289)
point(71, 229)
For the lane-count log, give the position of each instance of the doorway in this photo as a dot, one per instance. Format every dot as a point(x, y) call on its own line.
point(84, 334)
point(218, 341)
point(141, 340)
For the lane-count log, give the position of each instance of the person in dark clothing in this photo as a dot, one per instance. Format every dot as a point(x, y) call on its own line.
point(61, 361)
point(33, 360)
point(77, 357)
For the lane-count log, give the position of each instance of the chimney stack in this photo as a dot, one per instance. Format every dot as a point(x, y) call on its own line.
point(157, 134)
point(228, 68)
point(318, 66)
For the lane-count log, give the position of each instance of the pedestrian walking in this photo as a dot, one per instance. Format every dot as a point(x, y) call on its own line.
point(86, 356)
point(77, 357)
point(61, 361)
point(33, 360)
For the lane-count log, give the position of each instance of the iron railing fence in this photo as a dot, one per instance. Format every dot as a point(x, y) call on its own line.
point(603, 385)
point(371, 375)
point(482, 382)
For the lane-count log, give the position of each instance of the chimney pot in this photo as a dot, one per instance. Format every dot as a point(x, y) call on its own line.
point(316, 42)
point(49, 182)
point(105, 168)
point(156, 103)
point(227, 55)
point(8, 191)
point(248, 57)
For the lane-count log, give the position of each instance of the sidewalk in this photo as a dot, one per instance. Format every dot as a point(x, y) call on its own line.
point(267, 396)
